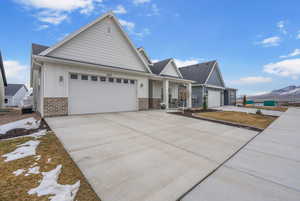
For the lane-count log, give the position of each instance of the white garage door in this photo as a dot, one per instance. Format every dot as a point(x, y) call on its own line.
point(94, 94)
point(214, 98)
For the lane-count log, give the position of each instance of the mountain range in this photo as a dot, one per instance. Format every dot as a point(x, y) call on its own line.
point(289, 93)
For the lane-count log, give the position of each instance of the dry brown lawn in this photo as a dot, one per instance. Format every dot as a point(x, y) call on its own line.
point(15, 188)
point(254, 120)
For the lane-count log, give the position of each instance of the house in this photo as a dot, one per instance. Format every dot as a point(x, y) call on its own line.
point(98, 69)
point(3, 82)
point(230, 96)
point(14, 94)
point(208, 81)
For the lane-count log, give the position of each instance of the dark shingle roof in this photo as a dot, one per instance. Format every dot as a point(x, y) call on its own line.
point(197, 72)
point(2, 71)
point(36, 48)
point(159, 66)
point(12, 89)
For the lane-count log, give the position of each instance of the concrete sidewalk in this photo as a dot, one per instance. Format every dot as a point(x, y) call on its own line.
point(249, 110)
point(267, 169)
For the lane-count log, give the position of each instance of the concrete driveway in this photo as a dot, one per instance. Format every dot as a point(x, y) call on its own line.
point(146, 156)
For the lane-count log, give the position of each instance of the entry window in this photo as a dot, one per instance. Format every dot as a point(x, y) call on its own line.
point(74, 76)
point(84, 77)
point(132, 81)
point(94, 78)
point(125, 81)
point(102, 79)
point(6, 100)
point(111, 79)
point(119, 80)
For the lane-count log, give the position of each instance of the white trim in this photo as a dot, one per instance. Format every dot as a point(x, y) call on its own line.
point(110, 15)
point(208, 86)
point(219, 72)
point(141, 49)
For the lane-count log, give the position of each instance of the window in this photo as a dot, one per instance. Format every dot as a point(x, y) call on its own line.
point(84, 77)
point(94, 78)
point(102, 79)
point(132, 81)
point(125, 81)
point(74, 76)
point(119, 80)
point(111, 79)
point(6, 100)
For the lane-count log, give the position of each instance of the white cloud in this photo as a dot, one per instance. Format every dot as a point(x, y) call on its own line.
point(54, 12)
point(16, 72)
point(296, 52)
point(285, 68)
point(137, 2)
point(181, 63)
point(42, 27)
point(281, 25)
point(298, 35)
point(270, 42)
point(120, 10)
point(128, 25)
point(154, 10)
point(252, 80)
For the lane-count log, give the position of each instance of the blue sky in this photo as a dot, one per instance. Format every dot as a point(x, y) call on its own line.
point(257, 43)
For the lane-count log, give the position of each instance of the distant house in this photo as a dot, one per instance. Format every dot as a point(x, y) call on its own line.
point(3, 82)
point(14, 94)
point(209, 81)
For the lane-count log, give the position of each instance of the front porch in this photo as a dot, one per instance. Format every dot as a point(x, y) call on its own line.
point(170, 94)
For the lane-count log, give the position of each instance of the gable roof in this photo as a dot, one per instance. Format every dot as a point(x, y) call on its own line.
point(159, 66)
point(143, 52)
point(37, 48)
point(12, 89)
point(82, 29)
point(2, 71)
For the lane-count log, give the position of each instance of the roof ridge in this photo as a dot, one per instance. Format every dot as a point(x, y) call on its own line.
point(192, 65)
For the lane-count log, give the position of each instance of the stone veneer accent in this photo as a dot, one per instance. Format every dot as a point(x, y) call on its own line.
point(154, 103)
point(143, 103)
point(55, 106)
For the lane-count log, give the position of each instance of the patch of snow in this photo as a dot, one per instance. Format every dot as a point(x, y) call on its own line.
point(34, 170)
point(49, 186)
point(18, 172)
point(28, 123)
point(49, 160)
point(291, 91)
point(26, 149)
point(38, 157)
point(34, 164)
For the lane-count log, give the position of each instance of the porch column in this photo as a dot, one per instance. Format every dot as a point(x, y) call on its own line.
point(166, 93)
point(189, 95)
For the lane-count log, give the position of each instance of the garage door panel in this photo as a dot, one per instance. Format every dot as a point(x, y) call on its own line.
point(214, 98)
point(86, 96)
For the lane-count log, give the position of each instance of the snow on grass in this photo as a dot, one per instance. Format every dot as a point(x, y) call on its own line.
point(49, 160)
point(18, 172)
point(49, 186)
point(34, 170)
point(28, 123)
point(26, 149)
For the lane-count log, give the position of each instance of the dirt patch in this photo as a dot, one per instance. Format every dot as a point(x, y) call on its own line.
point(281, 109)
point(10, 117)
point(257, 121)
point(16, 187)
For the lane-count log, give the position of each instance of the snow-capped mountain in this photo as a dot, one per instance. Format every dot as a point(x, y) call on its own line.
point(289, 93)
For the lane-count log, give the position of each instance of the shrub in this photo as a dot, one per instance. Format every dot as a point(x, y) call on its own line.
point(205, 104)
point(258, 112)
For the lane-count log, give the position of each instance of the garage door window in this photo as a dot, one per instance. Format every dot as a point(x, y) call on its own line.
point(94, 78)
point(132, 81)
point(119, 80)
point(111, 79)
point(84, 77)
point(102, 79)
point(74, 76)
point(125, 81)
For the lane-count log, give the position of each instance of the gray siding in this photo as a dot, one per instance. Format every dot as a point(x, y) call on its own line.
point(230, 97)
point(1, 91)
point(215, 79)
point(197, 96)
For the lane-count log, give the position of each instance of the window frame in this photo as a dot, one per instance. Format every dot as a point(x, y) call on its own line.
point(87, 77)
point(111, 79)
point(94, 76)
point(73, 74)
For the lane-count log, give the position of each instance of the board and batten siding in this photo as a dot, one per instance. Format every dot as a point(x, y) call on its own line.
point(103, 43)
point(170, 70)
point(215, 79)
point(1, 91)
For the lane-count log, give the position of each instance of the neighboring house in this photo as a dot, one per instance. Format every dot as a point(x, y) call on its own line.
point(230, 96)
point(3, 82)
point(14, 94)
point(209, 82)
point(97, 69)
